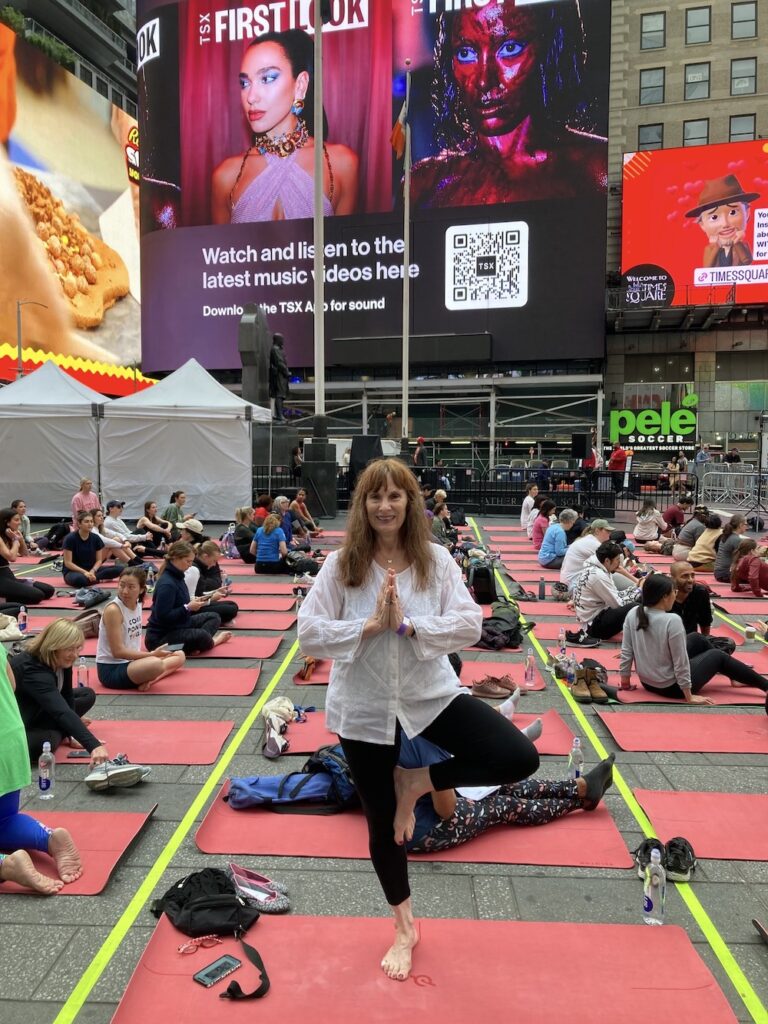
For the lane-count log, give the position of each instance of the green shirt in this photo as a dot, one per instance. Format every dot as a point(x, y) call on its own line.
point(14, 753)
point(174, 514)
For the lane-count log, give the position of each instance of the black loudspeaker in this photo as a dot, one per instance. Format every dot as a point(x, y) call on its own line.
point(364, 448)
point(581, 446)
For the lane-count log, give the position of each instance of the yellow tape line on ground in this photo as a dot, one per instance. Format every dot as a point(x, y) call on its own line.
point(738, 979)
point(95, 969)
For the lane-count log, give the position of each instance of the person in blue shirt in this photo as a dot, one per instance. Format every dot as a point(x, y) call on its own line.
point(270, 548)
point(450, 817)
point(555, 543)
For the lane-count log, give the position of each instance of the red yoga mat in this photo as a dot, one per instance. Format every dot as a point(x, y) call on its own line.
point(251, 647)
point(719, 691)
point(747, 604)
point(151, 742)
point(204, 682)
point(102, 837)
point(580, 839)
point(244, 620)
point(694, 732)
point(723, 826)
point(471, 671)
point(306, 737)
point(340, 978)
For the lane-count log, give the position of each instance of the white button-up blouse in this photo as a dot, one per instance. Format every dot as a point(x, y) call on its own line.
point(377, 681)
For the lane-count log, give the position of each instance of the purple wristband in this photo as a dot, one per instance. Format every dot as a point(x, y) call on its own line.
point(402, 629)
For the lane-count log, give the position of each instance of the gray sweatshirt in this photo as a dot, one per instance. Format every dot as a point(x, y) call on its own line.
point(659, 652)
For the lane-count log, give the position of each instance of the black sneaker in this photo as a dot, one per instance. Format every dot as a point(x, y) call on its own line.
point(643, 855)
point(681, 860)
point(580, 639)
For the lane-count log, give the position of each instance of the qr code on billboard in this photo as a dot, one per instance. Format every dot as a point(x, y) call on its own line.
point(486, 266)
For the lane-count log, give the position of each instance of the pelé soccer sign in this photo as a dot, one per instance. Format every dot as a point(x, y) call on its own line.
point(655, 426)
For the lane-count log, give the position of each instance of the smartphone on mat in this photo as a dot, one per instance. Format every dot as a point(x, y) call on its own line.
point(173, 647)
point(78, 754)
point(217, 970)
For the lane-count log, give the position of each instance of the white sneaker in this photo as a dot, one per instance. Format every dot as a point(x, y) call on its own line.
point(117, 773)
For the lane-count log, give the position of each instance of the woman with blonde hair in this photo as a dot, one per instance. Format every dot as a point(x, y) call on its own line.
point(388, 609)
point(245, 529)
point(50, 707)
point(269, 546)
point(84, 500)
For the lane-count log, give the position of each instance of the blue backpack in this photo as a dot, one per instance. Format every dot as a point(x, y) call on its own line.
point(323, 787)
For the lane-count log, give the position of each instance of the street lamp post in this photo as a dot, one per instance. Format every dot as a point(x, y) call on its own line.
point(19, 304)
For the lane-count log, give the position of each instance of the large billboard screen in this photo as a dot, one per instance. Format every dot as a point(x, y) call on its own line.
point(695, 225)
point(69, 249)
point(508, 115)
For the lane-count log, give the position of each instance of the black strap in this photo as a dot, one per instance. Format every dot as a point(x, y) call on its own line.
point(233, 989)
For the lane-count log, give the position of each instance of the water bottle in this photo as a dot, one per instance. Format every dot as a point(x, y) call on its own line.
point(575, 760)
point(570, 673)
point(530, 669)
point(82, 672)
point(561, 641)
point(21, 619)
point(542, 588)
point(231, 528)
point(150, 579)
point(45, 773)
point(654, 890)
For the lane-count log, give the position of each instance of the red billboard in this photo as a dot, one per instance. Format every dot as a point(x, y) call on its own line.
point(695, 225)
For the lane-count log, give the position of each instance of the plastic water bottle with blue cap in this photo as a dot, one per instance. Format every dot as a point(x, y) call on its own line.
point(46, 766)
point(82, 672)
point(576, 760)
point(654, 890)
point(21, 620)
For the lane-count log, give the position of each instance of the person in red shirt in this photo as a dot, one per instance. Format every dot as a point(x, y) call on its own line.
point(750, 567)
point(674, 515)
point(617, 463)
point(262, 508)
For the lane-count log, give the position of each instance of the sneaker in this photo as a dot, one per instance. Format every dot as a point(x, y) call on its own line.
point(146, 771)
point(114, 775)
point(580, 639)
point(489, 687)
point(681, 860)
point(643, 855)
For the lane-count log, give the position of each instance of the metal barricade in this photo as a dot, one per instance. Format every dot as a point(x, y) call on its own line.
point(731, 487)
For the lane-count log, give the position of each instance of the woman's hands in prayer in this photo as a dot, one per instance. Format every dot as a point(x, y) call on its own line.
point(388, 613)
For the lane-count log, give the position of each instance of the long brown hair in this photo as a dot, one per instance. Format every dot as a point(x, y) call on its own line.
point(736, 520)
point(356, 557)
point(746, 547)
point(179, 549)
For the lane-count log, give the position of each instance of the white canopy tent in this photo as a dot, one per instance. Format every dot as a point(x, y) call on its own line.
point(48, 439)
point(188, 432)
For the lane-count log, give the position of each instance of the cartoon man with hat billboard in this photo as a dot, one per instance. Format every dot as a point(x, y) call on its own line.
point(722, 214)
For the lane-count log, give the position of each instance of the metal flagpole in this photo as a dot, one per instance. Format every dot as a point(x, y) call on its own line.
point(406, 256)
point(318, 221)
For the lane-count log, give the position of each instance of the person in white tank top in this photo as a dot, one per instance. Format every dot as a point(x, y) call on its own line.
point(120, 661)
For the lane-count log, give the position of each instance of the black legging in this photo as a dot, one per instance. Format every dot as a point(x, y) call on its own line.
point(18, 591)
point(610, 621)
point(196, 636)
point(226, 610)
point(706, 663)
point(488, 750)
point(39, 732)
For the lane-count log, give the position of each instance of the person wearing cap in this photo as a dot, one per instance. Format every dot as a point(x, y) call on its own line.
point(722, 213)
point(114, 527)
point(192, 531)
point(578, 552)
point(690, 533)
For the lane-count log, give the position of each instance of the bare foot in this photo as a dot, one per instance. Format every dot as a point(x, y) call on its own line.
point(143, 687)
point(221, 638)
point(407, 791)
point(18, 867)
point(396, 962)
point(63, 850)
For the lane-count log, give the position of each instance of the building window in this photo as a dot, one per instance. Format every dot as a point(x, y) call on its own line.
point(696, 133)
point(653, 31)
point(131, 108)
point(117, 98)
point(102, 87)
point(697, 81)
point(743, 76)
point(742, 128)
point(744, 21)
point(697, 21)
point(85, 75)
point(652, 86)
point(650, 136)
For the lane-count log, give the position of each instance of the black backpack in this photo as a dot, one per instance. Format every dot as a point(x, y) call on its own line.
point(503, 627)
point(482, 583)
point(457, 516)
point(57, 533)
point(205, 903)
point(331, 760)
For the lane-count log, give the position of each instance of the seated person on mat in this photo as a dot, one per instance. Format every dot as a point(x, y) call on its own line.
point(85, 500)
point(120, 662)
point(20, 506)
point(450, 817)
point(83, 552)
point(245, 529)
point(690, 533)
point(120, 550)
point(114, 527)
point(442, 529)
point(554, 543)
point(174, 512)
point(296, 536)
point(177, 618)
point(649, 523)
point(578, 552)
point(674, 515)
point(20, 832)
point(732, 535)
point(271, 550)
point(545, 517)
point(668, 662)
point(750, 568)
point(161, 529)
point(692, 601)
point(704, 552)
point(300, 512)
point(531, 492)
point(600, 606)
point(204, 579)
point(51, 708)
point(262, 508)
point(13, 546)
